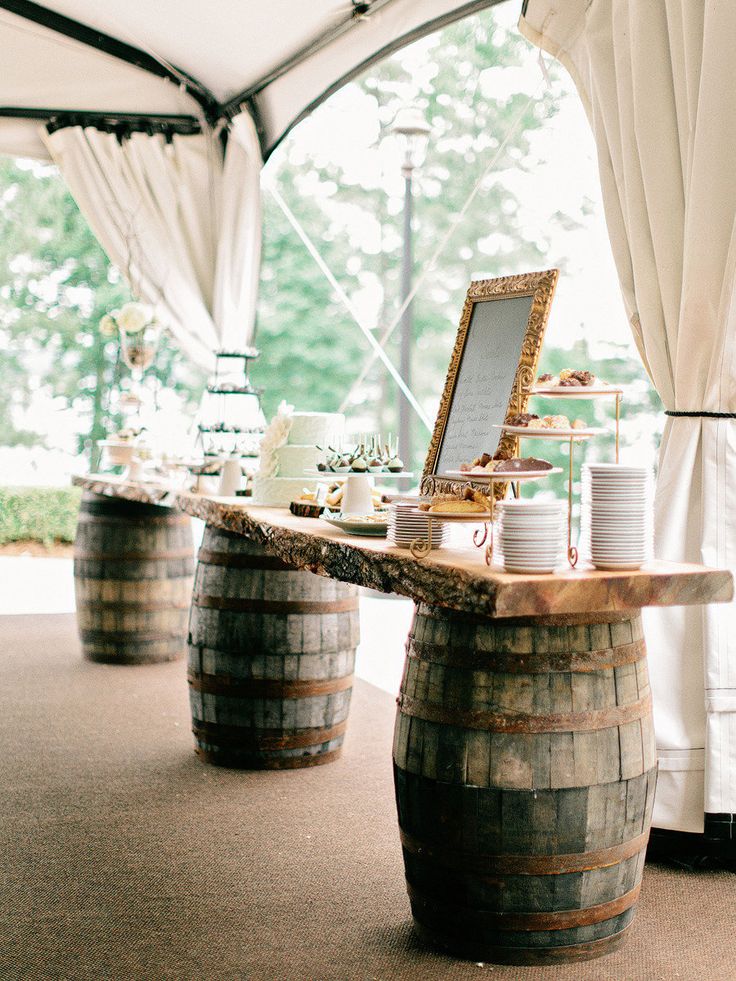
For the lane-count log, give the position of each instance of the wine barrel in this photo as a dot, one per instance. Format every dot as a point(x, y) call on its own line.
point(525, 769)
point(271, 656)
point(133, 566)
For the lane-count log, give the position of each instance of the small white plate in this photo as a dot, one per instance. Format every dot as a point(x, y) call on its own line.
point(357, 525)
point(551, 433)
point(500, 478)
point(575, 391)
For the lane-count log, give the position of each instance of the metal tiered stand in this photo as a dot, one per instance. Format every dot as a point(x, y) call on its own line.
point(231, 421)
point(420, 547)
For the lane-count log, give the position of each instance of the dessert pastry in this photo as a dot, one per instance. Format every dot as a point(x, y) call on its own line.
point(555, 422)
point(522, 419)
point(458, 507)
point(581, 377)
point(472, 502)
point(569, 378)
point(521, 465)
point(579, 424)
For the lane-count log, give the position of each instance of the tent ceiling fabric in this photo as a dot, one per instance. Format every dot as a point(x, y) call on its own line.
point(283, 56)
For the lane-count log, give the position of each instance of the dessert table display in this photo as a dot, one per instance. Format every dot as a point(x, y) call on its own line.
point(524, 756)
point(523, 751)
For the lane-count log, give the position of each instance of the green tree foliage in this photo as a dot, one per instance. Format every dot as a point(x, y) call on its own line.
point(55, 284)
point(312, 351)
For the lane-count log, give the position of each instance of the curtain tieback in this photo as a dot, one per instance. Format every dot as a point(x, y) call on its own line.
point(700, 415)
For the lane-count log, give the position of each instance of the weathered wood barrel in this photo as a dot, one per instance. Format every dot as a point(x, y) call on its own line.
point(525, 769)
point(271, 656)
point(133, 566)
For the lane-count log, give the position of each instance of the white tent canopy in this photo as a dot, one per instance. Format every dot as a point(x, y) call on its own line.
point(160, 115)
point(186, 60)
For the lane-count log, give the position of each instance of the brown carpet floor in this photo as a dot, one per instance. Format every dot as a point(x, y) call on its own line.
point(124, 857)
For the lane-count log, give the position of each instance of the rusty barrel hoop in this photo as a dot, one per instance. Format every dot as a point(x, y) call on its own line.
point(271, 658)
point(133, 566)
point(525, 769)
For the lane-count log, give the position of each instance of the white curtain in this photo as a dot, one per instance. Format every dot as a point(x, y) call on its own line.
point(180, 219)
point(656, 79)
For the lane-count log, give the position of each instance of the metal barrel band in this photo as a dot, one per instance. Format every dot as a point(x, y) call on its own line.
point(528, 662)
point(249, 737)
point(543, 956)
point(242, 561)
point(513, 722)
point(240, 605)
point(565, 919)
point(134, 606)
point(432, 612)
point(256, 762)
point(151, 555)
point(128, 636)
point(479, 864)
point(234, 687)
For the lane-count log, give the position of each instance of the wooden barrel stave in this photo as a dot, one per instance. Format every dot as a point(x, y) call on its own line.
point(508, 832)
point(270, 663)
point(133, 566)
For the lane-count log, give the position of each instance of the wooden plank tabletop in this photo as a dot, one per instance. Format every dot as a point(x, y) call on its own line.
point(453, 577)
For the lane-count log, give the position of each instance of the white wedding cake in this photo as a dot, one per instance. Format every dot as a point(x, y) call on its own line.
point(288, 449)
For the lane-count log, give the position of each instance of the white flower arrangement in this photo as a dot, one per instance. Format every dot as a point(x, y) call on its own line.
point(275, 436)
point(131, 318)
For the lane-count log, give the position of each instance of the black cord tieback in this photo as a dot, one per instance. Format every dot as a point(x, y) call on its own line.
point(701, 415)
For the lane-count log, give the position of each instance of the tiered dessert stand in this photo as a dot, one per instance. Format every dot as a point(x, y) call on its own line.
point(232, 422)
point(421, 548)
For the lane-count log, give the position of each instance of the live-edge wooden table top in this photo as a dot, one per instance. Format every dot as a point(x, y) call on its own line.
point(457, 578)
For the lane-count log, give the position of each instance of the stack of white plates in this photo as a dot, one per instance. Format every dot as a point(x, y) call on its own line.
point(532, 535)
point(618, 501)
point(406, 523)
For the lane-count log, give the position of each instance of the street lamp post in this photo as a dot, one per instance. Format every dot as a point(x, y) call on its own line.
point(412, 128)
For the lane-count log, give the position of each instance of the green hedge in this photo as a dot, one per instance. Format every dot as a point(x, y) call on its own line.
point(41, 514)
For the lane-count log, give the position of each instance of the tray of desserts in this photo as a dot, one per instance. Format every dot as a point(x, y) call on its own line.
point(487, 468)
point(572, 383)
point(369, 456)
point(471, 506)
point(374, 525)
point(548, 427)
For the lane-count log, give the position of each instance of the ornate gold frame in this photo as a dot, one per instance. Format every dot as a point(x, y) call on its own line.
point(541, 286)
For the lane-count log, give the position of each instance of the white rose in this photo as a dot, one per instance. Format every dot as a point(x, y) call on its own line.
point(133, 317)
point(108, 327)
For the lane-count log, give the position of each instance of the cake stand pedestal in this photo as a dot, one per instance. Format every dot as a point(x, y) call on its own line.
point(357, 494)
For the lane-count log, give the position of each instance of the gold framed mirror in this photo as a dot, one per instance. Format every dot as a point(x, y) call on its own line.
point(492, 368)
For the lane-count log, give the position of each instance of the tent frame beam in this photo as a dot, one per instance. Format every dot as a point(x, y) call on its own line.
point(249, 96)
point(212, 109)
point(56, 118)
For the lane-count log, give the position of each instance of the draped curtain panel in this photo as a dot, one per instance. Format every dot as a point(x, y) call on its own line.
point(656, 80)
point(182, 221)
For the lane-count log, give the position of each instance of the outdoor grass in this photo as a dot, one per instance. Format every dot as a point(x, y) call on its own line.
point(38, 514)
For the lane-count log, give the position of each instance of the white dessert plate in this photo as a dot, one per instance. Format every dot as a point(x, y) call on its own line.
point(618, 566)
point(577, 392)
point(501, 478)
point(476, 517)
point(551, 433)
point(541, 570)
point(358, 524)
